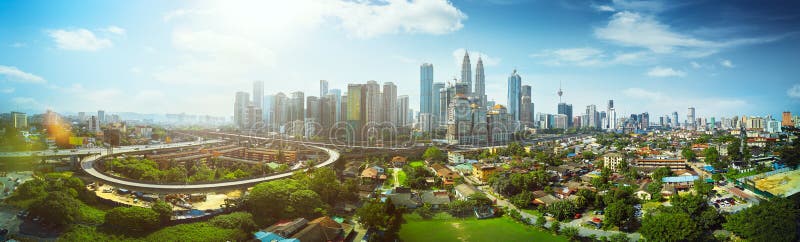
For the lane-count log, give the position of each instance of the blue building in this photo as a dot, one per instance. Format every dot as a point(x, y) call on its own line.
point(514, 91)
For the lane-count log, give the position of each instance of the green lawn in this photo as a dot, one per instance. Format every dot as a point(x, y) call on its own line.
point(416, 163)
point(401, 177)
point(533, 212)
point(446, 228)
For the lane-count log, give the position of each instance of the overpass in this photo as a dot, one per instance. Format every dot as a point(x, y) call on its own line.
point(87, 165)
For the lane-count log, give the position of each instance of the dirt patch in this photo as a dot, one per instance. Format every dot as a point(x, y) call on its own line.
point(783, 184)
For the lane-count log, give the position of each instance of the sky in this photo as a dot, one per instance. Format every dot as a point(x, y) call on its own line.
point(725, 58)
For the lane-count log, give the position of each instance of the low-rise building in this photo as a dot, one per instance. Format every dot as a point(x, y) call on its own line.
point(673, 164)
point(463, 191)
point(483, 171)
point(613, 161)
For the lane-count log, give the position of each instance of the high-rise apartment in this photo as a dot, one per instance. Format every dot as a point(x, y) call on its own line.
point(425, 86)
point(514, 86)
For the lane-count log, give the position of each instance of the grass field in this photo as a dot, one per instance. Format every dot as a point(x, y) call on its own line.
point(401, 177)
point(416, 163)
point(444, 228)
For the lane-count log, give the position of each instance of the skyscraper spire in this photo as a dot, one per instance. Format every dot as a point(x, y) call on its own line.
point(466, 72)
point(480, 83)
point(560, 92)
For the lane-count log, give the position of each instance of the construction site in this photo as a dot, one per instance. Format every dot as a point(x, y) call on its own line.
point(782, 184)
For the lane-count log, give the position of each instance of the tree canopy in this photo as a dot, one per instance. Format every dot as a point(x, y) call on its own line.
point(774, 220)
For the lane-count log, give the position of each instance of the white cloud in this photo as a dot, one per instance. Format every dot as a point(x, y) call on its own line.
point(25, 102)
point(726, 63)
point(587, 56)
point(643, 94)
point(659, 71)
point(633, 29)
point(14, 74)
point(696, 65)
point(115, 30)
point(364, 19)
point(576, 56)
point(604, 8)
point(18, 45)
point(794, 92)
point(639, 5)
point(78, 39)
point(458, 57)
point(7, 90)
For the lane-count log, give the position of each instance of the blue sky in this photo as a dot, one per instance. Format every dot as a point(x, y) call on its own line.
point(723, 57)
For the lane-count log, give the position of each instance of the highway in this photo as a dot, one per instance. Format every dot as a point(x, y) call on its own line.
point(87, 164)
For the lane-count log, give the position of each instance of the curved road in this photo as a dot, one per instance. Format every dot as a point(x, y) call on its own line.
point(87, 165)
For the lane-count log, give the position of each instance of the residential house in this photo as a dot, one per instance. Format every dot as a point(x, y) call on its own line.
point(483, 171)
point(448, 176)
point(324, 229)
point(437, 199)
point(287, 228)
point(613, 161)
point(373, 174)
point(455, 157)
point(272, 237)
point(399, 161)
point(463, 191)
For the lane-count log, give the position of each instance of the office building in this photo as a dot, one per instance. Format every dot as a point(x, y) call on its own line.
point(466, 74)
point(374, 102)
point(480, 84)
point(258, 94)
point(436, 110)
point(20, 120)
point(675, 121)
point(514, 86)
point(402, 111)
point(337, 102)
point(566, 109)
point(239, 109)
point(690, 118)
point(268, 111)
point(101, 116)
point(525, 106)
point(323, 88)
point(355, 109)
point(389, 102)
point(592, 116)
point(425, 87)
point(297, 106)
point(786, 119)
point(280, 113)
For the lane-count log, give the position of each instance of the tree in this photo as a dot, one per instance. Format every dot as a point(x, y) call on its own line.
point(433, 153)
point(373, 214)
point(268, 201)
point(479, 199)
point(571, 233)
point(619, 237)
point(688, 154)
point(237, 220)
point(661, 172)
point(702, 187)
point(618, 213)
point(555, 226)
point(424, 211)
point(305, 203)
point(668, 227)
point(540, 221)
point(562, 209)
point(58, 208)
point(522, 200)
point(132, 220)
point(323, 181)
point(774, 220)
point(164, 211)
point(790, 154)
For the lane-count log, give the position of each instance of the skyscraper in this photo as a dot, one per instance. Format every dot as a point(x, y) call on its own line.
point(566, 109)
point(297, 107)
point(323, 88)
point(466, 73)
point(389, 102)
point(280, 111)
point(402, 111)
point(355, 111)
point(425, 86)
point(337, 102)
point(514, 86)
point(525, 105)
point(258, 94)
point(690, 118)
point(608, 120)
point(436, 109)
point(592, 116)
point(374, 103)
point(101, 116)
point(239, 109)
point(675, 120)
point(480, 84)
point(20, 120)
point(268, 111)
point(786, 119)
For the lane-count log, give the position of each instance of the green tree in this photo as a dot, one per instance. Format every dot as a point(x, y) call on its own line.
point(618, 213)
point(774, 220)
point(56, 207)
point(571, 233)
point(433, 153)
point(555, 226)
point(688, 154)
point(268, 201)
point(323, 181)
point(668, 227)
point(562, 209)
point(373, 215)
point(132, 220)
point(619, 237)
point(540, 221)
point(164, 211)
point(661, 172)
point(424, 211)
point(237, 220)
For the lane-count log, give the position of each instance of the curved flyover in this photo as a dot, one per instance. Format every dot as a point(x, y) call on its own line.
point(87, 165)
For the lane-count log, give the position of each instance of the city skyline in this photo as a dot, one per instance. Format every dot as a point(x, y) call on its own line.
point(167, 64)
